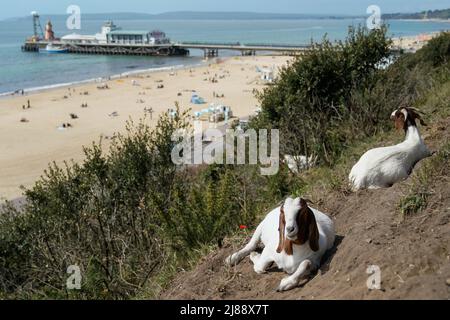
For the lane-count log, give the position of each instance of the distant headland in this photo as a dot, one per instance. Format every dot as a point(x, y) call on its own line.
point(424, 15)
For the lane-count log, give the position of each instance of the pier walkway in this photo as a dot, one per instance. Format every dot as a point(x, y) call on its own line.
point(210, 49)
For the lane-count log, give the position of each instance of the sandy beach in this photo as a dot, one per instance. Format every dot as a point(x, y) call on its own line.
point(413, 43)
point(31, 138)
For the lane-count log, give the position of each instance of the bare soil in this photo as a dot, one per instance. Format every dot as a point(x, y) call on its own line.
point(413, 253)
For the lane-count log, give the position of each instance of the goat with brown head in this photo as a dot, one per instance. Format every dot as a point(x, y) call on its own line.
point(382, 167)
point(405, 117)
point(295, 238)
point(300, 227)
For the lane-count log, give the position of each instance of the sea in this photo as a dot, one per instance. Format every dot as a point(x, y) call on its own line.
point(36, 71)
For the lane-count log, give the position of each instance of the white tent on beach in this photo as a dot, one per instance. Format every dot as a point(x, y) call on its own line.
point(267, 75)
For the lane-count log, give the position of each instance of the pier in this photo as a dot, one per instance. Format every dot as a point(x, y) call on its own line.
point(110, 49)
point(113, 40)
point(169, 49)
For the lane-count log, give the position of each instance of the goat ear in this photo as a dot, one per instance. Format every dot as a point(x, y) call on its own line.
point(307, 228)
point(288, 247)
point(313, 232)
point(281, 225)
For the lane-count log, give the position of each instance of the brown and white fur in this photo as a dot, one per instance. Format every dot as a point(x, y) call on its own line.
point(382, 167)
point(295, 237)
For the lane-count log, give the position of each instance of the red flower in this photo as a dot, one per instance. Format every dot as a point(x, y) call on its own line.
point(242, 226)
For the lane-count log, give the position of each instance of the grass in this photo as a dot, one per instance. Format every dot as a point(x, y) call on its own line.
point(173, 267)
point(319, 180)
point(413, 203)
point(415, 200)
point(322, 180)
point(421, 186)
point(107, 212)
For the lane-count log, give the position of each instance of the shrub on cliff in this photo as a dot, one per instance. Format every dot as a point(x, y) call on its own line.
point(122, 217)
point(340, 92)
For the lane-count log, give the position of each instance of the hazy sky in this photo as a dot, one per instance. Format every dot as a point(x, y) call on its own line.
point(355, 7)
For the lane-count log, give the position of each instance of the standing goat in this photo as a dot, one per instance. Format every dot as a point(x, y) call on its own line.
point(382, 167)
point(295, 237)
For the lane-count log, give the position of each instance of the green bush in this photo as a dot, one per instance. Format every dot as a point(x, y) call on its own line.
point(126, 215)
point(122, 216)
point(339, 93)
point(312, 96)
point(92, 215)
point(437, 51)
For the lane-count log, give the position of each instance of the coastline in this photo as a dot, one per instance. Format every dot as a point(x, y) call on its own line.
point(422, 20)
point(32, 138)
point(413, 43)
point(75, 84)
point(398, 41)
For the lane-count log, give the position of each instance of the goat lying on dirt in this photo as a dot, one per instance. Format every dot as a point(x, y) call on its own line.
point(295, 237)
point(382, 167)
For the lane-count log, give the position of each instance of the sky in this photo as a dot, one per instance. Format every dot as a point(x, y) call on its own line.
point(18, 8)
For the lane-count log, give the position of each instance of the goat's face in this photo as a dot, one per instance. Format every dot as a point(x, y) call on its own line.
point(297, 225)
point(291, 211)
point(405, 117)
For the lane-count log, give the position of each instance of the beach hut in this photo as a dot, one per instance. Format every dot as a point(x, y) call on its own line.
point(267, 75)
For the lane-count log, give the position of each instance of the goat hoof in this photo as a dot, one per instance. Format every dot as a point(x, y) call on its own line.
point(280, 289)
point(259, 271)
point(286, 285)
point(231, 261)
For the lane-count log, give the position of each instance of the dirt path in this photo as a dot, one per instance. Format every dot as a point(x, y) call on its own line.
point(413, 254)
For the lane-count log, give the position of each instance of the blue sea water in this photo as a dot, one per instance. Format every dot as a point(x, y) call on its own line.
point(25, 70)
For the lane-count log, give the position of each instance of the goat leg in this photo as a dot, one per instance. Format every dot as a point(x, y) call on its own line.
point(292, 281)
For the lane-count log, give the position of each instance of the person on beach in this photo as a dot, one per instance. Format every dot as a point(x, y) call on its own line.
point(28, 104)
point(150, 112)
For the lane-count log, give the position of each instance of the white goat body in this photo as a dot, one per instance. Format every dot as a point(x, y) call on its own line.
point(302, 260)
point(382, 167)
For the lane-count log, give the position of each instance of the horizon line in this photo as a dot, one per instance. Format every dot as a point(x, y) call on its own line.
point(204, 12)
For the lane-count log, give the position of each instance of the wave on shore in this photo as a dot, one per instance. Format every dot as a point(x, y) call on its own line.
point(99, 79)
